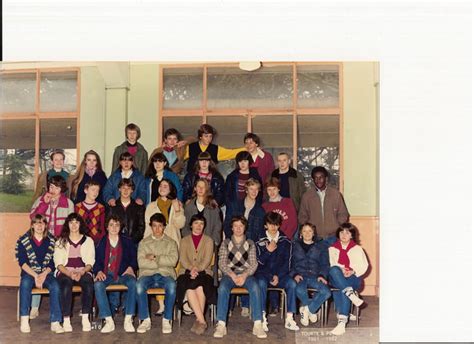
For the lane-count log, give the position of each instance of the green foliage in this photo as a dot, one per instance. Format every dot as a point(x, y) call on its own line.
point(15, 174)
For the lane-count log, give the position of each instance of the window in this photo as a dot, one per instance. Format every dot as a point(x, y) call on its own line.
point(38, 114)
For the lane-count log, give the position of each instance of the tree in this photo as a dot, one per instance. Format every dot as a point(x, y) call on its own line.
point(15, 174)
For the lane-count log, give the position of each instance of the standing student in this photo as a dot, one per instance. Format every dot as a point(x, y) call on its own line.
point(92, 211)
point(206, 134)
point(348, 265)
point(74, 257)
point(157, 258)
point(157, 170)
point(34, 253)
point(115, 263)
point(133, 147)
point(262, 160)
point(125, 170)
point(57, 169)
point(90, 169)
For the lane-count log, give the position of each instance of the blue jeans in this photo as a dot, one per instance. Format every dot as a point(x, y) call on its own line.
point(337, 279)
point(103, 301)
point(223, 295)
point(322, 293)
point(287, 283)
point(27, 283)
point(156, 281)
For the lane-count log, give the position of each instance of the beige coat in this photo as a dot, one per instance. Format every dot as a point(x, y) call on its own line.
point(175, 223)
point(166, 251)
point(201, 257)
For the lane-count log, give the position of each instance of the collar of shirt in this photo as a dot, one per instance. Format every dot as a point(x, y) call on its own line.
point(127, 174)
point(275, 238)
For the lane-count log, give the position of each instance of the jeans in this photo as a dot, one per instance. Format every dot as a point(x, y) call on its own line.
point(156, 281)
point(322, 293)
point(103, 301)
point(27, 283)
point(287, 283)
point(65, 285)
point(223, 295)
point(337, 279)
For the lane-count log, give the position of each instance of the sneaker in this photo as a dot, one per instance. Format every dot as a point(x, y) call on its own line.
point(258, 330)
point(34, 313)
point(304, 312)
point(352, 317)
point(86, 324)
point(313, 317)
point(144, 326)
point(186, 308)
point(24, 324)
point(339, 329)
point(290, 324)
point(109, 325)
point(67, 325)
point(264, 322)
point(128, 324)
point(245, 312)
point(166, 326)
point(56, 327)
point(273, 312)
point(221, 330)
point(357, 301)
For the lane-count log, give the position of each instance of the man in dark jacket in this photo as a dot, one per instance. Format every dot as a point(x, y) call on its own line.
point(131, 145)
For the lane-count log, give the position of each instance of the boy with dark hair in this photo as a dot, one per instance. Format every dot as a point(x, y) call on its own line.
point(132, 146)
point(92, 211)
point(262, 160)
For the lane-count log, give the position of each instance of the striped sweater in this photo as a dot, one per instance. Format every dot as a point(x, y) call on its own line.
point(55, 215)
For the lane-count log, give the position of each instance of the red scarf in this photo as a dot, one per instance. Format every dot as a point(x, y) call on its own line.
point(118, 258)
point(168, 149)
point(343, 257)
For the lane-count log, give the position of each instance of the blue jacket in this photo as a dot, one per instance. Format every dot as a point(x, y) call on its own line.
point(167, 174)
point(217, 187)
point(129, 255)
point(111, 190)
point(311, 264)
point(274, 263)
point(255, 229)
point(100, 177)
point(231, 192)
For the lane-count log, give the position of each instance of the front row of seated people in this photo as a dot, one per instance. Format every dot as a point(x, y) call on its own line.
point(272, 261)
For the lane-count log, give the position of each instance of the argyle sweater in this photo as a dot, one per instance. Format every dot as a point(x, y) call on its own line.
point(237, 258)
point(94, 219)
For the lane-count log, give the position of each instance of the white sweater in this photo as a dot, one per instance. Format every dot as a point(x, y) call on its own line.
point(61, 254)
point(357, 258)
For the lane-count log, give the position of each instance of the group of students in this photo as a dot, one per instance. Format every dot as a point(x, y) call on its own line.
point(143, 228)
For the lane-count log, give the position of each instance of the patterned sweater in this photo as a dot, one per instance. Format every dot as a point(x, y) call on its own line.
point(237, 257)
point(94, 219)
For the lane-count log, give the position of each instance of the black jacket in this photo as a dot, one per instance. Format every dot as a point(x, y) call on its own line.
point(133, 219)
point(217, 187)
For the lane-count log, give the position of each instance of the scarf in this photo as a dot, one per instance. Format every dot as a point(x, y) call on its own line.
point(343, 257)
point(91, 172)
point(165, 207)
point(168, 149)
point(26, 241)
point(108, 248)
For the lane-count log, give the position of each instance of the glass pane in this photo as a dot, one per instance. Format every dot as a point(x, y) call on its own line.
point(267, 87)
point(58, 92)
point(318, 145)
point(275, 132)
point(58, 134)
point(17, 165)
point(318, 86)
point(182, 88)
point(230, 134)
point(17, 92)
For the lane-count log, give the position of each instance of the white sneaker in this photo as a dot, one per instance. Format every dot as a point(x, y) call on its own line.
point(86, 324)
point(128, 324)
point(166, 326)
point(352, 317)
point(258, 330)
point(339, 329)
point(356, 300)
point(67, 325)
point(245, 312)
point(34, 312)
point(144, 326)
point(25, 324)
point(109, 325)
point(313, 317)
point(290, 324)
point(56, 327)
point(304, 312)
point(264, 322)
point(221, 330)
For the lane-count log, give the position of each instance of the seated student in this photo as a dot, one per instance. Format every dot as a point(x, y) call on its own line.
point(115, 263)
point(206, 134)
point(174, 149)
point(310, 268)
point(281, 205)
point(262, 160)
point(171, 208)
point(92, 211)
point(57, 161)
point(235, 181)
point(348, 264)
point(157, 170)
point(90, 169)
point(238, 262)
point(133, 147)
point(157, 258)
point(195, 279)
point(125, 170)
point(274, 261)
point(34, 253)
point(204, 168)
point(203, 203)
point(291, 181)
point(132, 214)
point(74, 257)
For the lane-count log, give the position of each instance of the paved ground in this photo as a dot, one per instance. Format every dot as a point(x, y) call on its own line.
point(239, 328)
